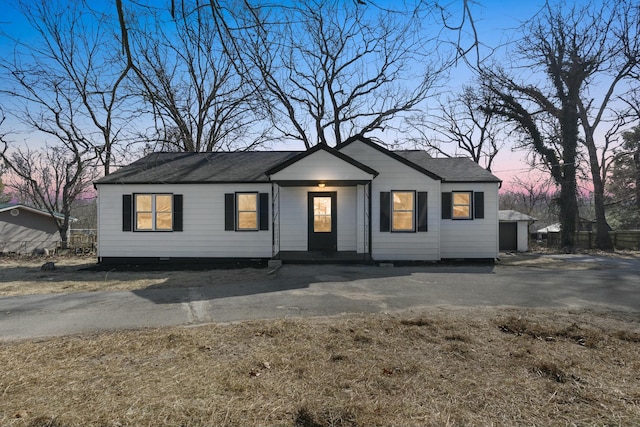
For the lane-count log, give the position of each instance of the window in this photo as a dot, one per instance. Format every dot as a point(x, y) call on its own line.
point(462, 205)
point(244, 211)
point(247, 212)
point(154, 212)
point(322, 214)
point(403, 214)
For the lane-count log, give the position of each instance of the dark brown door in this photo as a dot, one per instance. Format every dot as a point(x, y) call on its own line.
point(322, 222)
point(508, 236)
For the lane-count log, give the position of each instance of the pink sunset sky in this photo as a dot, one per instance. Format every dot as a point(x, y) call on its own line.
point(496, 21)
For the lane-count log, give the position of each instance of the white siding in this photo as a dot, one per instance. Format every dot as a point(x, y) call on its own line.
point(203, 223)
point(394, 175)
point(321, 165)
point(523, 236)
point(294, 217)
point(476, 238)
point(361, 219)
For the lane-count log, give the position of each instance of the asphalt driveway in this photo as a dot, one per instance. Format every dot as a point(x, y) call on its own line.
point(321, 290)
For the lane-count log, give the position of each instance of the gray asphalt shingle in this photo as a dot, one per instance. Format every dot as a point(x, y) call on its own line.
point(451, 169)
point(251, 166)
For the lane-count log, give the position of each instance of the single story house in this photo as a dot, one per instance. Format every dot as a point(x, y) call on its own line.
point(357, 201)
point(25, 229)
point(514, 230)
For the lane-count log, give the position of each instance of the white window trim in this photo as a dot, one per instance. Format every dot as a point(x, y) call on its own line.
point(257, 211)
point(413, 213)
point(453, 205)
point(153, 212)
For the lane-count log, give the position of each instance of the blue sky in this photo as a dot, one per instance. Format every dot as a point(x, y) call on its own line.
point(495, 21)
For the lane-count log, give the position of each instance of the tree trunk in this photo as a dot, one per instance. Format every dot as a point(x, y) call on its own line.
point(603, 240)
point(636, 161)
point(568, 204)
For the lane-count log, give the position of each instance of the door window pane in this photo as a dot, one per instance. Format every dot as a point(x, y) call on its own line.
point(322, 214)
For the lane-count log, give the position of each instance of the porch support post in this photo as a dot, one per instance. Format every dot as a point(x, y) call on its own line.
point(275, 219)
point(370, 243)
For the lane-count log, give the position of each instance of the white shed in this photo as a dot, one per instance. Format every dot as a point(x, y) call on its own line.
point(514, 230)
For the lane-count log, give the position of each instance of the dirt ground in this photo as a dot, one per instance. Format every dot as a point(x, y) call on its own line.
point(442, 366)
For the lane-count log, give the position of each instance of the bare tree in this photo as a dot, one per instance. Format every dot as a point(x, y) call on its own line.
point(573, 49)
point(611, 50)
point(532, 195)
point(51, 178)
point(460, 127)
point(623, 187)
point(327, 69)
point(198, 100)
point(50, 90)
point(72, 53)
point(4, 197)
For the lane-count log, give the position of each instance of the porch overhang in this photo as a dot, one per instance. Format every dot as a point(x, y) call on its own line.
point(320, 182)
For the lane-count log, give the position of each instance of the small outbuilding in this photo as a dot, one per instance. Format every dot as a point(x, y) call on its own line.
point(514, 230)
point(25, 229)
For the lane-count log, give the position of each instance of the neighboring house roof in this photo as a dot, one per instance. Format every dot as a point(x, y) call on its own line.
point(510, 215)
point(9, 206)
point(553, 228)
point(256, 166)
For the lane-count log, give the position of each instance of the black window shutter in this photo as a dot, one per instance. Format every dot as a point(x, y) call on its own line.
point(230, 211)
point(478, 204)
point(177, 212)
point(263, 206)
point(422, 211)
point(385, 206)
point(446, 206)
point(127, 212)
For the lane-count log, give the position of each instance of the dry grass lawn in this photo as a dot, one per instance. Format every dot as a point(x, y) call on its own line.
point(438, 367)
point(22, 276)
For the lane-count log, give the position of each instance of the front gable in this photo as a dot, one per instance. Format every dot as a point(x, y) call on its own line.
point(356, 146)
point(321, 164)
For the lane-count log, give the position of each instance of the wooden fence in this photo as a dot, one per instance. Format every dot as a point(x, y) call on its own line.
point(629, 239)
point(83, 242)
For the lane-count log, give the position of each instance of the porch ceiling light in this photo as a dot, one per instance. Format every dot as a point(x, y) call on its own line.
point(321, 184)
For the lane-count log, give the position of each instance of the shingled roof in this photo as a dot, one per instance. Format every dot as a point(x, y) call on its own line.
point(188, 168)
point(450, 169)
point(251, 166)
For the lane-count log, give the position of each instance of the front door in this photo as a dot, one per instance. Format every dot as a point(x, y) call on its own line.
point(322, 224)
